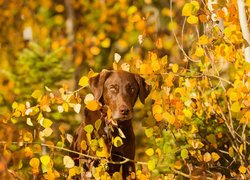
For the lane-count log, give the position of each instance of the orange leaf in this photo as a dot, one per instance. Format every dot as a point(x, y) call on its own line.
point(93, 105)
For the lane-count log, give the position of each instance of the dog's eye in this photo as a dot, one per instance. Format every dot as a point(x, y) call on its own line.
point(113, 88)
point(130, 89)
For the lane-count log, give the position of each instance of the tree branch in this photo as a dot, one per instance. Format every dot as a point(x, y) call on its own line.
point(244, 28)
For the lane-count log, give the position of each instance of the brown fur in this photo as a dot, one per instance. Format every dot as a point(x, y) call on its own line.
point(119, 90)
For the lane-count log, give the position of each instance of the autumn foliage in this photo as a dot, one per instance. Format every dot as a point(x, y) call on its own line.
point(195, 123)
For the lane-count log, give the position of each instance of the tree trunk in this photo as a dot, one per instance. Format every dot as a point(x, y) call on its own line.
point(244, 28)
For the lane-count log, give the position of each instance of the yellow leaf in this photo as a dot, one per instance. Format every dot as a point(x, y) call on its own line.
point(192, 19)
point(93, 105)
point(45, 160)
point(151, 165)
point(27, 137)
point(36, 94)
point(233, 96)
point(199, 52)
point(66, 107)
point(34, 163)
point(14, 105)
point(235, 107)
point(118, 141)
point(194, 129)
point(149, 132)
point(207, 157)
point(98, 124)
point(105, 43)
point(203, 40)
point(155, 65)
point(68, 162)
point(168, 117)
point(73, 171)
point(158, 152)
point(115, 66)
point(196, 5)
point(242, 169)
point(231, 152)
point(83, 145)
point(241, 148)
point(215, 156)
point(175, 68)
point(117, 176)
point(146, 69)
point(150, 151)
point(84, 81)
point(46, 123)
point(188, 113)
point(187, 9)
point(102, 153)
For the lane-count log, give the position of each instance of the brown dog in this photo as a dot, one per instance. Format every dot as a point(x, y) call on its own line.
point(118, 90)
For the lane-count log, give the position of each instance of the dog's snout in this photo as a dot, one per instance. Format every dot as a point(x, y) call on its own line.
point(124, 110)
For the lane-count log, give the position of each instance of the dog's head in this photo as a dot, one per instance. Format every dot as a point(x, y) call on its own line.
point(119, 90)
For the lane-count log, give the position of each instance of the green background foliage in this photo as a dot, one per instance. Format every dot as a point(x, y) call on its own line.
point(195, 122)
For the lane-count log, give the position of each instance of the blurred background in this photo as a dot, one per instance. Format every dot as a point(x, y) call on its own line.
point(51, 43)
point(46, 46)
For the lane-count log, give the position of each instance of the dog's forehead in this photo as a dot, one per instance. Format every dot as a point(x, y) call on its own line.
point(121, 77)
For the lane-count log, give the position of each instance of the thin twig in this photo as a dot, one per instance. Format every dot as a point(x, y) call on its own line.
point(176, 39)
point(84, 155)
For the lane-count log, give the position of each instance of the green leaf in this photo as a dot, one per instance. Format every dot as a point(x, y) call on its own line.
point(118, 141)
point(45, 159)
point(149, 132)
point(184, 153)
point(151, 165)
point(98, 124)
point(89, 128)
point(211, 138)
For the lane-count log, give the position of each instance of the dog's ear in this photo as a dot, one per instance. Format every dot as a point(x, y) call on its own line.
point(144, 88)
point(96, 83)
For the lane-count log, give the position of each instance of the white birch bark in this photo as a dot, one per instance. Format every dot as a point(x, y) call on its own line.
point(244, 28)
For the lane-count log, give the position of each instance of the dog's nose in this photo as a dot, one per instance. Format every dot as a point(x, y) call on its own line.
point(124, 110)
